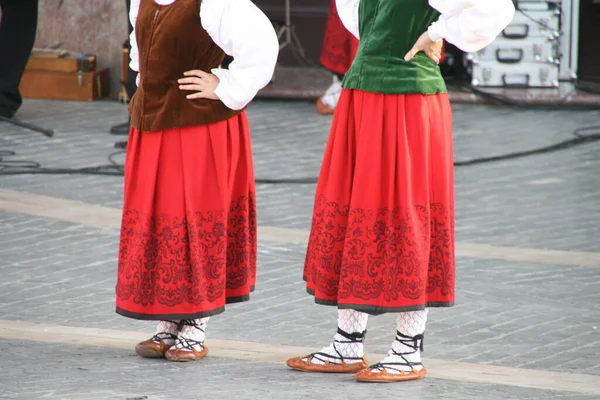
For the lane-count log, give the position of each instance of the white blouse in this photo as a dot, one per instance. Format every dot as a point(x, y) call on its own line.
point(470, 25)
point(242, 31)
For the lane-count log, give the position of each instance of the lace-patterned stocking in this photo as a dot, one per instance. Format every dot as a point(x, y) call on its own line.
point(405, 353)
point(167, 332)
point(347, 345)
point(192, 333)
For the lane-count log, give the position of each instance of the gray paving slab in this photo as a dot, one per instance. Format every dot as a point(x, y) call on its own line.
point(545, 201)
point(535, 316)
point(88, 373)
point(511, 314)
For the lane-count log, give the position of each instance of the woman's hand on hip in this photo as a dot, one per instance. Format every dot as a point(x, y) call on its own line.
point(203, 83)
point(432, 49)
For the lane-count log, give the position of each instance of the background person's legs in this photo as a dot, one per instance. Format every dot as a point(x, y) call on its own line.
point(17, 35)
point(123, 129)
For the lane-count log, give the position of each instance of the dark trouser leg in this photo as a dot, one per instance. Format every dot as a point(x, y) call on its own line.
point(130, 85)
point(131, 74)
point(17, 35)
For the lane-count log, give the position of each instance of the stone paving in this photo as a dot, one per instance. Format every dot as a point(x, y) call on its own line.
point(526, 315)
point(95, 373)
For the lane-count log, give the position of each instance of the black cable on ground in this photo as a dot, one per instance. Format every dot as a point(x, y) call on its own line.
point(507, 101)
point(31, 127)
point(15, 163)
point(114, 164)
point(17, 167)
point(115, 169)
point(565, 144)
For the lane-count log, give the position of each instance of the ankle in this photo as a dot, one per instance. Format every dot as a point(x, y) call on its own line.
point(194, 330)
point(348, 349)
point(168, 327)
point(408, 353)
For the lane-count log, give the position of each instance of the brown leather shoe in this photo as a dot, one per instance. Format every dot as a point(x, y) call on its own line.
point(323, 108)
point(152, 348)
point(181, 355)
point(367, 375)
point(299, 363)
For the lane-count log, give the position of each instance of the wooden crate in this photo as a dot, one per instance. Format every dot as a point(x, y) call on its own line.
point(53, 85)
point(60, 61)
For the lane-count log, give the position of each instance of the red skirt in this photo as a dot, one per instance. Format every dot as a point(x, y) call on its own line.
point(382, 237)
point(188, 235)
point(339, 45)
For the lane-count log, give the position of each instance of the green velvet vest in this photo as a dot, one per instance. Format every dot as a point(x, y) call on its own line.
point(388, 30)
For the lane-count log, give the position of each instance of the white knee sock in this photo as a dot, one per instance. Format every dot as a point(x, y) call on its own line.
point(405, 352)
point(347, 345)
point(192, 333)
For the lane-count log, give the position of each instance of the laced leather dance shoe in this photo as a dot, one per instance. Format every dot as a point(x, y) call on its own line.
point(305, 364)
point(382, 375)
point(339, 366)
point(322, 108)
point(381, 372)
point(184, 350)
point(155, 347)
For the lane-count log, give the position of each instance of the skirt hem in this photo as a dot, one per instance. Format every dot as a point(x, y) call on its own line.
point(378, 310)
point(202, 314)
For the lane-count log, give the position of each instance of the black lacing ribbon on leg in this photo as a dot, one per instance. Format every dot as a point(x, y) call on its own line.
point(185, 343)
point(356, 337)
point(162, 336)
point(414, 342)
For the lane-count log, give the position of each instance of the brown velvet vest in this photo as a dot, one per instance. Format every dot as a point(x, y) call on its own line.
point(171, 41)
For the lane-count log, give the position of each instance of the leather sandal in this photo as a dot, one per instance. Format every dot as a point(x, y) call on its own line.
point(155, 347)
point(339, 366)
point(305, 364)
point(322, 108)
point(184, 349)
point(381, 372)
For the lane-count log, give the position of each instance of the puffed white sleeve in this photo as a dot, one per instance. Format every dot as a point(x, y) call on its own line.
point(348, 13)
point(134, 54)
point(470, 24)
point(242, 30)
